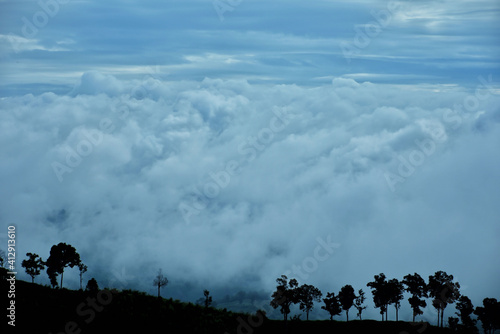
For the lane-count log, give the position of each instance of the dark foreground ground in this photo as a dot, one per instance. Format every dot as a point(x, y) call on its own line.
point(40, 309)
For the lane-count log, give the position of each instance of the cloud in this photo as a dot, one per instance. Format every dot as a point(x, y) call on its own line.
point(15, 43)
point(94, 82)
point(310, 162)
point(121, 119)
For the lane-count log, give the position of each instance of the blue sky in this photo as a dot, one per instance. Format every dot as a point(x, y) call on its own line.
point(281, 41)
point(220, 148)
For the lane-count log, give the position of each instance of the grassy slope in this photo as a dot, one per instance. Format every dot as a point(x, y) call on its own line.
point(40, 309)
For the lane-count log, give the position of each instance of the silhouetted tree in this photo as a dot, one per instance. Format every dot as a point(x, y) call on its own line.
point(346, 298)
point(437, 305)
point(52, 276)
point(33, 265)
point(380, 294)
point(208, 298)
point(285, 295)
point(358, 302)
point(3, 257)
point(489, 315)
point(61, 256)
point(92, 286)
point(332, 304)
point(444, 291)
point(416, 286)
point(306, 296)
point(395, 294)
point(160, 281)
point(465, 309)
point(83, 269)
point(3, 270)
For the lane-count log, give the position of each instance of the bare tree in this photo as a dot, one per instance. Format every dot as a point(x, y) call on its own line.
point(208, 298)
point(83, 269)
point(160, 281)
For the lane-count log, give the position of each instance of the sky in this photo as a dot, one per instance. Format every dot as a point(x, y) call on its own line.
point(231, 142)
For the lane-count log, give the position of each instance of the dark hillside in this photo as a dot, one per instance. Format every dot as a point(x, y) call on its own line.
point(40, 309)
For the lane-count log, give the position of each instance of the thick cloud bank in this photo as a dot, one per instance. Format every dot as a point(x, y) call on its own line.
point(226, 184)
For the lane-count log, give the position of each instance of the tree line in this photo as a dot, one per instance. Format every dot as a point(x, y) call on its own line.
point(440, 287)
point(61, 256)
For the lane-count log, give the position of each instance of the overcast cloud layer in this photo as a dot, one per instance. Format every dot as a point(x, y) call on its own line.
point(228, 152)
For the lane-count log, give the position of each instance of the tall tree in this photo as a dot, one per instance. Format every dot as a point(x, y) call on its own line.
point(489, 315)
point(52, 276)
point(61, 256)
point(395, 294)
point(346, 298)
point(437, 305)
point(33, 265)
point(332, 304)
point(285, 295)
point(83, 269)
point(160, 281)
point(306, 296)
point(465, 309)
point(416, 286)
point(380, 293)
point(358, 303)
point(444, 291)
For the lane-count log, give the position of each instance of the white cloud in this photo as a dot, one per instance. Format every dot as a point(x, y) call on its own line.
point(12, 43)
point(319, 173)
point(393, 155)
